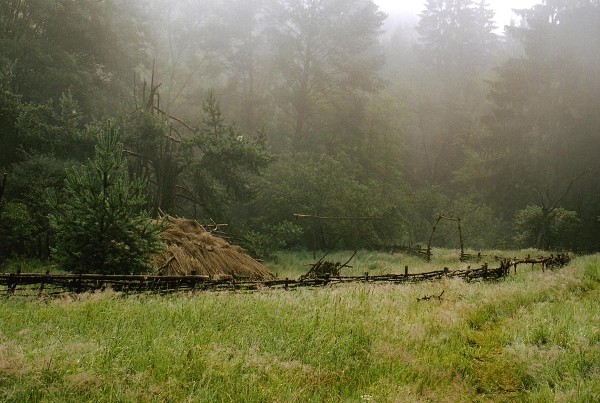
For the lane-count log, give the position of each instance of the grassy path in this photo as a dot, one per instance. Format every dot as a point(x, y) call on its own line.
point(541, 345)
point(533, 337)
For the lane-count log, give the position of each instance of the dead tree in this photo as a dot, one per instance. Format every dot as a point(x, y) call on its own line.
point(162, 166)
point(550, 207)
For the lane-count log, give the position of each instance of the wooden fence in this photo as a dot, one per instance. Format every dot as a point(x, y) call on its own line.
point(39, 284)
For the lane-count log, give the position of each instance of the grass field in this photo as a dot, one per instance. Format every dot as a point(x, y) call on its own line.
point(533, 337)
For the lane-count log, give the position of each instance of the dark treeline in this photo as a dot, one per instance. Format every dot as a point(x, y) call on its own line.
point(248, 111)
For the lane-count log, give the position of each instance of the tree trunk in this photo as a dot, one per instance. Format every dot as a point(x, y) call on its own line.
point(2, 188)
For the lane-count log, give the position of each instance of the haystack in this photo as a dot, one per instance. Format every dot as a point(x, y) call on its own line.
point(191, 249)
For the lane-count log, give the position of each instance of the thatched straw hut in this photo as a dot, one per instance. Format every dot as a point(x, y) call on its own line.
point(191, 249)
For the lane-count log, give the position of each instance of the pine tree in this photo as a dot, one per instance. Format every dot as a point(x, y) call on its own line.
point(222, 162)
point(102, 227)
point(457, 36)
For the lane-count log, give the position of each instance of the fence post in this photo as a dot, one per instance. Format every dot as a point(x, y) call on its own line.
point(79, 283)
point(41, 291)
point(9, 285)
point(405, 271)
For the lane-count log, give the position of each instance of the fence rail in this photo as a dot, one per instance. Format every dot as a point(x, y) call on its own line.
point(39, 284)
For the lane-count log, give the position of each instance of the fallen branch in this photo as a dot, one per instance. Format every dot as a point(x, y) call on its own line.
point(428, 297)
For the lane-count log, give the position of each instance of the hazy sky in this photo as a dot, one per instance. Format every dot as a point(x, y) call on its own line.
point(501, 7)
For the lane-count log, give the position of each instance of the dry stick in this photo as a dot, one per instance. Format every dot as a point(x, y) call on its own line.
point(460, 237)
point(318, 217)
point(328, 251)
point(345, 264)
point(428, 297)
point(431, 237)
point(321, 260)
point(135, 91)
point(174, 118)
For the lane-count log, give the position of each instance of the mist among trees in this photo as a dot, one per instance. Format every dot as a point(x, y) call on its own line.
point(247, 111)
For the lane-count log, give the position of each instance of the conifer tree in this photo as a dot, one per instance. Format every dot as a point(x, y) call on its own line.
point(102, 227)
point(222, 162)
point(457, 36)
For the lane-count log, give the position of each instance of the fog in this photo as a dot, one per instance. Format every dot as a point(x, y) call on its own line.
point(410, 10)
point(246, 112)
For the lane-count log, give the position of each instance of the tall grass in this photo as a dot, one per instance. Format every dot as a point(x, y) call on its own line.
point(532, 337)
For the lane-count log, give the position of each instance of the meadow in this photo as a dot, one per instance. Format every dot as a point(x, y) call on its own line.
point(534, 336)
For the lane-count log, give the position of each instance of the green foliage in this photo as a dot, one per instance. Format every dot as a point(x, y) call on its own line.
point(102, 225)
point(482, 227)
point(10, 104)
point(87, 46)
point(50, 128)
point(323, 50)
point(310, 73)
point(271, 238)
point(29, 182)
point(457, 36)
point(326, 186)
point(53, 129)
point(536, 227)
point(17, 229)
point(542, 132)
point(157, 157)
point(221, 162)
point(145, 133)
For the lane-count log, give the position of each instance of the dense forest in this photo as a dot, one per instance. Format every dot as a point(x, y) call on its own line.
point(246, 112)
